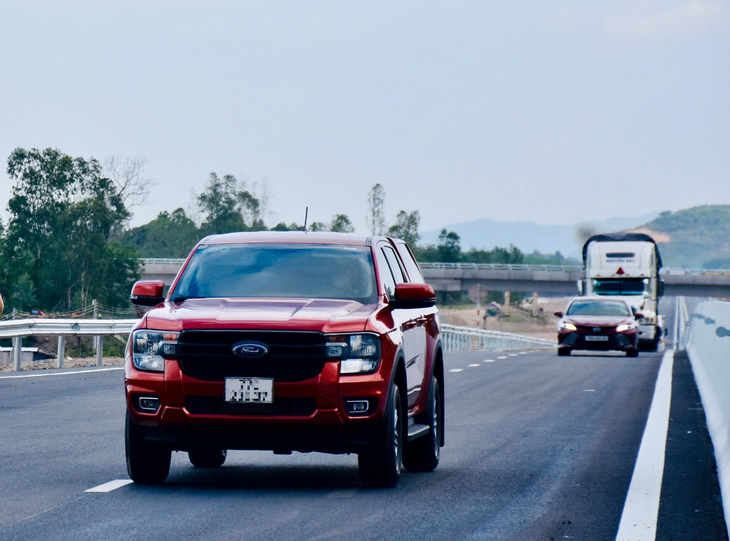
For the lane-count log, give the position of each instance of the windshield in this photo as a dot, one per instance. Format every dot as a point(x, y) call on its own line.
point(625, 286)
point(310, 271)
point(598, 308)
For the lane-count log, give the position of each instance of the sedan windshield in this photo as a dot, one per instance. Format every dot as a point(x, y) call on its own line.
point(598, 308)
point(311, 271)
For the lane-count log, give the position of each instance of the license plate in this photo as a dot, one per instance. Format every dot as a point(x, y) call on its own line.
point(256, 390)
point(596, 338)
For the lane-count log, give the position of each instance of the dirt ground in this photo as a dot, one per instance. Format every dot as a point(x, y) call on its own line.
point(67, 363)
point(518, 320)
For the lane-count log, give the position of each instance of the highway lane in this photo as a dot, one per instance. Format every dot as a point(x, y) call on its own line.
point(538, 447)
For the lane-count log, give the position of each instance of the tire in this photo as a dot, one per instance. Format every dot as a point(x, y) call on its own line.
point(632, 352)
point(423, 454)
point(147, 463)
point(563, 352)
point(381, 463)
point(207, 458)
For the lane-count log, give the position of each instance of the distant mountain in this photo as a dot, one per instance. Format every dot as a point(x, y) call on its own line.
point(698, 237)
point(530, 236)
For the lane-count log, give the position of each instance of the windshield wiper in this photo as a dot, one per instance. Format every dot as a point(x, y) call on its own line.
point(181, 298)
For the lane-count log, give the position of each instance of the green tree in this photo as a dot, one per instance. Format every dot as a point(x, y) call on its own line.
point(376, 210)
point(448, 249)
point(406, 227)
point(61, 214)
point(228, 207)
point(341, 224)
point(169, 235)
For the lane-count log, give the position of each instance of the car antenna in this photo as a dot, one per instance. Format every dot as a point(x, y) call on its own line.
point(306, 213)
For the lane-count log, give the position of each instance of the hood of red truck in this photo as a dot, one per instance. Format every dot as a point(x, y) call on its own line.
point(281, 314)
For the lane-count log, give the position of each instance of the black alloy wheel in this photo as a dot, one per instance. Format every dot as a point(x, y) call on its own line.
point(381, 463)
point(423, 454)
point(147, 463)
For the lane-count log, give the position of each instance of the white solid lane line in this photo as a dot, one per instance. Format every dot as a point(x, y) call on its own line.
point(456, 370)
point(641, 510)
point(111, 485)
point(64, 373)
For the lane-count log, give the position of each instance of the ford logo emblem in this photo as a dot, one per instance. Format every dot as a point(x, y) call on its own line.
point(249, 350)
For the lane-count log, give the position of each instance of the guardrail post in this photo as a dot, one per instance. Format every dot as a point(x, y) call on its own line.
point(61, 351)
point(17, 352)
point(100, 351)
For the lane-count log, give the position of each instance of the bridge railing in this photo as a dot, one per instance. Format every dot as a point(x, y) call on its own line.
point(469, 339)
point(18, 328)
point(493, 266)
point(498, 266)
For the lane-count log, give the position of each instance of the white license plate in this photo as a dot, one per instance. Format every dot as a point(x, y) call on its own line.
point(257, 390)
point(596, 338)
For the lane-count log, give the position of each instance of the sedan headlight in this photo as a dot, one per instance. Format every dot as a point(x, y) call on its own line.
point(626, 327)
point(358, 353)
point(151, 348)
point(565, 326)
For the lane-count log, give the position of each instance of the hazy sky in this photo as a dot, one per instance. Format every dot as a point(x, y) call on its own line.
point(554, 112)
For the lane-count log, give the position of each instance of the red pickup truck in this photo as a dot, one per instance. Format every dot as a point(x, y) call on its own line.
point(287, 342)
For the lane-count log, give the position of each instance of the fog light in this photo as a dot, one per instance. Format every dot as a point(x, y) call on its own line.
point(149, 403)
point(357, 406)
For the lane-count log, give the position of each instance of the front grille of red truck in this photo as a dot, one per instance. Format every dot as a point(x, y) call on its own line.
point(292, 356)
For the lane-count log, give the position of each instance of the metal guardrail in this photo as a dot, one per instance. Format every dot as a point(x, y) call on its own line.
point(18, 328)
point(469, 339)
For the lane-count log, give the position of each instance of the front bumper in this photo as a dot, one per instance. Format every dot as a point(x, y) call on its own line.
point(305, 416)
point(614, 341)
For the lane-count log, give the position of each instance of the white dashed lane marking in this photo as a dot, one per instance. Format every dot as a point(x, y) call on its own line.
point(456, 370)
point(111, 485)
point(589, 390)
point(523, 353)
point(474, 365)
point(513, 354)
point(501, 357)
point(488, 361)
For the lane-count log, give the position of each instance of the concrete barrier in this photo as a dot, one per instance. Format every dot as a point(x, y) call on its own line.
point(708, 346)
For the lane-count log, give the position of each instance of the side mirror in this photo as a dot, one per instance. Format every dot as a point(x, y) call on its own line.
point(414, 296)
point(638, 315)
point(148, 292)
point(559, 314)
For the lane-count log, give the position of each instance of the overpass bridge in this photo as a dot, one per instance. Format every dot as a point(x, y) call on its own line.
point(551, 279)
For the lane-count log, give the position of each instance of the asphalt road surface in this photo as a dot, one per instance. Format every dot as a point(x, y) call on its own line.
point(537, 447)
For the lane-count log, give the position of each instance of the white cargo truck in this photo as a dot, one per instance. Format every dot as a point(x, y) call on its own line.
point(626, 265)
